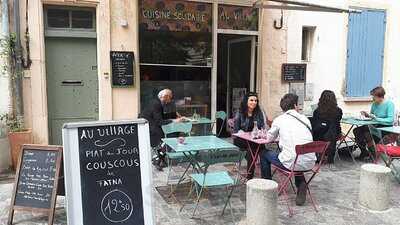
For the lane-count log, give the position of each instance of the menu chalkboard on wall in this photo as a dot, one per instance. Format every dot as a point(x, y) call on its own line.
point(37, 179)
point(294, 72)
point(112, 162)
point(122, 68)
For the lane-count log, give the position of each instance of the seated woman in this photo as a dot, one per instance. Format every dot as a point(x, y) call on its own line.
point(249, 113)
point(326, 122)
point(381, 111)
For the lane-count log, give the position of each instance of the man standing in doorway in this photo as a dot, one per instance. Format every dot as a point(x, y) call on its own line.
point(160, 112)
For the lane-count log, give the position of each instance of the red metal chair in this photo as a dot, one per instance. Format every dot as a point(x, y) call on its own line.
point(387, 150)
point(312, 147)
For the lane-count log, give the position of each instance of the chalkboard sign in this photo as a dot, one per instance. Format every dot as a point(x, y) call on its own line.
point(122, 68)
point(293, 72)
point(113, 171)
point(37, 179)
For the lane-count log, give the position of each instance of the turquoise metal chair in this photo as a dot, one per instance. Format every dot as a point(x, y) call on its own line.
point(222, 116)
point(177, 157)
point(216, 179)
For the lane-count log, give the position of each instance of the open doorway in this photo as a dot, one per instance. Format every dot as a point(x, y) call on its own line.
point(236, 71)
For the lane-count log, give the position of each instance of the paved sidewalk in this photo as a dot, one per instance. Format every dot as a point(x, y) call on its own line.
point(335, 189)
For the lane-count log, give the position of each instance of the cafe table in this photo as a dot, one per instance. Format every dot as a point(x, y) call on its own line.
point(254, 153)
point(196, 144)
point(393, 130)
point(354, 122)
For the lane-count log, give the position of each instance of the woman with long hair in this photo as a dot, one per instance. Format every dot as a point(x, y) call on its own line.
point(326, 122)
point(249, 112)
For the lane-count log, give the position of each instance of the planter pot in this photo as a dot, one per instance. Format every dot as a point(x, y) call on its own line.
point(16, 140)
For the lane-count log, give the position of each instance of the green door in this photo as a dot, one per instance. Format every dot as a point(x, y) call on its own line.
point(72, 84)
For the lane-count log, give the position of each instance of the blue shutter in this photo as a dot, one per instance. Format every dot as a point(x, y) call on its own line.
point(365, 50)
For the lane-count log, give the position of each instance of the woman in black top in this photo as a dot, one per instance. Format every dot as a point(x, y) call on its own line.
point(249, 112)
point(326, 122)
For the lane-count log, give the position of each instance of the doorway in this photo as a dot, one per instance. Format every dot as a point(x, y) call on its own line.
point(236, 70)
point(72, 83)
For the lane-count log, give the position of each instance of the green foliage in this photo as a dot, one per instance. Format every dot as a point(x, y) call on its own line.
point(8, 54)
point(13, 123)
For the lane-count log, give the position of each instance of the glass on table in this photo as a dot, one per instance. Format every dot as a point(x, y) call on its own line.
point(181, 140)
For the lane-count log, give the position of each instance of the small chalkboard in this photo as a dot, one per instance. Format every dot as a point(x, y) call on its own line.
point(122, 68)
point(113, 173)
point(294, 72)
point(36, 180)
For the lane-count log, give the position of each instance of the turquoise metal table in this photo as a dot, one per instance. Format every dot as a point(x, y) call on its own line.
point(393, 130)
point(355, 122)
point(195, 144)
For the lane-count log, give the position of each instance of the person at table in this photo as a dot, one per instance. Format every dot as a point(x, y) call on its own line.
point(248, 113)
point(326, 122)
point(292, 128)
point(382, 111)
point(160, 112)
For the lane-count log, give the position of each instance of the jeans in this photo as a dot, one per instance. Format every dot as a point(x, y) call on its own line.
point(269, 157)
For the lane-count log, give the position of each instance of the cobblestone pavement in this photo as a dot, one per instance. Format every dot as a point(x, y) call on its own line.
point(335, 189)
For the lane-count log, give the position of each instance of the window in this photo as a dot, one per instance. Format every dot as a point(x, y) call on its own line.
point(176, 48)
point(70, 18)
point(190, 85)
point(365, 51)
point(307, 43)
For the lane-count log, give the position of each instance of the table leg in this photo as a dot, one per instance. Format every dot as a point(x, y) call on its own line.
point(254, 155)
point(192, 162)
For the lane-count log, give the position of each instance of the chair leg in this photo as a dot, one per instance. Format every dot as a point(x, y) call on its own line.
point(227, 200)
point(284, 192)
point(311, 198)
point(197, 201)
point(190, 193)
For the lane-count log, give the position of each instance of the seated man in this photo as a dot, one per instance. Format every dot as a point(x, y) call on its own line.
point(293, 129)
point(158, 112)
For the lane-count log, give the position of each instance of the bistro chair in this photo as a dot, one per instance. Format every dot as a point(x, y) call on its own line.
point(222, 116)
point(216, 179)
point(387, 152)
point(176, 157)
point(312, 147)
point(349, 143)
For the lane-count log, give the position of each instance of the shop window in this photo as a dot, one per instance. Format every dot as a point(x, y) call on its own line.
point(191, 87)
point(307, 43)
point(176, 48)
point(82, 19)
point(70, 18)
point(58, 18)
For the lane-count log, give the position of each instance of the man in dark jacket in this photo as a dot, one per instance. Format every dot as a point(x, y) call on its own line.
point(154, 113)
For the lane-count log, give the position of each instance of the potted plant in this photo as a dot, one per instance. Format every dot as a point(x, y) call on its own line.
point(17, 136)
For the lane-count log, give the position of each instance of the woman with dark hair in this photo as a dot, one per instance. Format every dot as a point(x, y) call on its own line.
point(382, 111)
point(326, 122)
point(249, 113)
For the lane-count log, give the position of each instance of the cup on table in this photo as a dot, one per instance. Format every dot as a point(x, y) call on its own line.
point(181, 140)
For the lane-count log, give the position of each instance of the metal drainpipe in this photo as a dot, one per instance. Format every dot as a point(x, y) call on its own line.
point(17, 81)
point(5, 34)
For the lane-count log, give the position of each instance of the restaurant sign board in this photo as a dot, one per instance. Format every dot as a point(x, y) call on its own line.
point(172, 15)
point(234, 17)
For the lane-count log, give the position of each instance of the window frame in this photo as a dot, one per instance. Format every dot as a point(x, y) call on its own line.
point(70, 31)
point(310, 30)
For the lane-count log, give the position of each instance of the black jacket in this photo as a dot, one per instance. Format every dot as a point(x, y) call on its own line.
point(327, 129)
point(154, 113)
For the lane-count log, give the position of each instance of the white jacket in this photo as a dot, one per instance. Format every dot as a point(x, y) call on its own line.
point(292, 132)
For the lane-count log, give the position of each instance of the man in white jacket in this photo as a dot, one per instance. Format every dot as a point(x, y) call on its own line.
point(291, 128)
